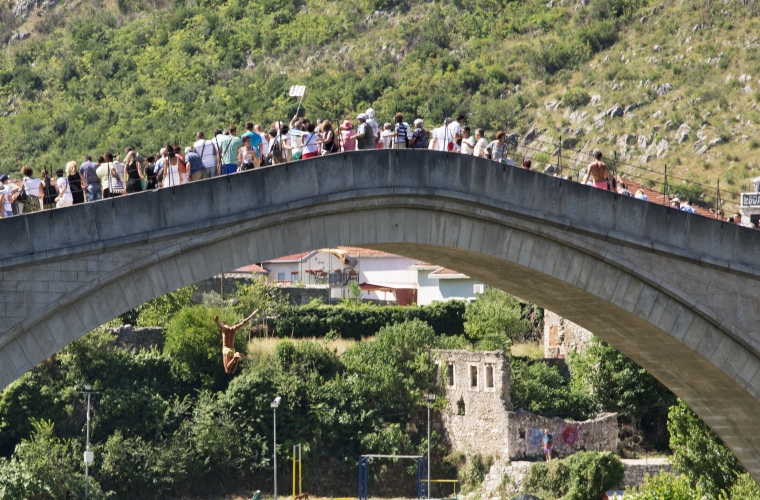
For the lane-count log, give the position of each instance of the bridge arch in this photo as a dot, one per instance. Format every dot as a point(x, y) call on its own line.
point(674, 291)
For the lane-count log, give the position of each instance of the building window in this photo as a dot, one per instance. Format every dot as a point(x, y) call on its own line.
point(473, 376)
point(489, 376)
point(450, 374)
point(280, 276)
point(460, 407)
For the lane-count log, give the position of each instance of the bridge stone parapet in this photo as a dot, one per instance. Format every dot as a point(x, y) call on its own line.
point(676, 292)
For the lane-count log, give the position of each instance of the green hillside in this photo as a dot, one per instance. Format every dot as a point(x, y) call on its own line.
point(94, 76)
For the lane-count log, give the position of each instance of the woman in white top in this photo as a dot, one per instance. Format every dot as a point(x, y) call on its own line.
point(245, 155)
point(310, 142)
point(170, 172)
point(34, 192)
point(6, 197)
point(64, 198)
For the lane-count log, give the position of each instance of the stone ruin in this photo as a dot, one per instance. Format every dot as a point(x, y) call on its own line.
point(479, 417)
point(562, 336)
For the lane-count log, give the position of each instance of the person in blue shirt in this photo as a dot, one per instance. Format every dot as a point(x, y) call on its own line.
point(194, 164)
point(547, 445)
point(255, 143)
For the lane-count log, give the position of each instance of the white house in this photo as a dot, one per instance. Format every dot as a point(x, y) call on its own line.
point(383, 276)
point(438, 284)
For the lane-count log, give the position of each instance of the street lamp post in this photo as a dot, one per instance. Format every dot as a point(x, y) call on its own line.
point(430, 399)
point(274, 406)
point(88, 455)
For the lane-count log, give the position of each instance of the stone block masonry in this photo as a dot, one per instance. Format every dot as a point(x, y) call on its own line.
point(513, 474)
point(525, 433)
point(562, 336)
point(477, 418)
point(137, 339)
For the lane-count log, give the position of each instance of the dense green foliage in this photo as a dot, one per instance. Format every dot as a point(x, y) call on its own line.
point(699, 454)
point(540, 388)
point(144, 74)
point(582, 476)
point(156, 432)
point(193, 344)
point(494, 315)
point(446, 318)
point(620, 385)
point(665, 486)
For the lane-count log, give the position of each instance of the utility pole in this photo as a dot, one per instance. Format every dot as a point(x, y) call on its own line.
point(88, 455)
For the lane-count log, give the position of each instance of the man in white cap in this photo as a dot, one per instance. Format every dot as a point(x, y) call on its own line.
point(372, 123)
point(365, 138)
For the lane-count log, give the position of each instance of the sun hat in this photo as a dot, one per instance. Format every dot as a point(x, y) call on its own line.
point(361, 116)
point(4, 177)
point(371, 113)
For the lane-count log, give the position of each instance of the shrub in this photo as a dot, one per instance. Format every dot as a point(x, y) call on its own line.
point(159, 311)
point(194, 346)
point(582, 476)
point(356, 322)
point(663, 485)
point(494, 314)
point(699, 454)
point(43, 468)
point(576, 97)
point(541, 388)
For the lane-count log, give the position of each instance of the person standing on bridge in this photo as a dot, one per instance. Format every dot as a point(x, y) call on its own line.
point(228, 149)
point(231, 358)
point(599, 172)
point(206, 150)
point(365, 136)
point(6, 196)
point(88, 169)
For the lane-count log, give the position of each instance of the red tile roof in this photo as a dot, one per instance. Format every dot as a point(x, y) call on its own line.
point(365, 252)
point(659, 198)
point(251, 268)
point(296, 257)
point(444, 270)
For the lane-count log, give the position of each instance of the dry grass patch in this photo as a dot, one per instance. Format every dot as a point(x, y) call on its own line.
point(528, 349)
point(260, 348)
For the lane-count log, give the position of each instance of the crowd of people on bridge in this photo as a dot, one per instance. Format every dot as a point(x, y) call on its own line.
point(225, 152)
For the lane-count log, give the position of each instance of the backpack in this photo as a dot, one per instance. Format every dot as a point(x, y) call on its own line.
point(22, 196)
point(276, 149)
point(399, 128)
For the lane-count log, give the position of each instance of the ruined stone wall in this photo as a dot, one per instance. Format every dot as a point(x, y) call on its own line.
point(525, 432)
point(136, 339)
point(477, 389)
point(637, 470)
point(513, 475)
point(562, 336)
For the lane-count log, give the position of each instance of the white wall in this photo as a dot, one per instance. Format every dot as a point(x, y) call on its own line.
point(437, 290)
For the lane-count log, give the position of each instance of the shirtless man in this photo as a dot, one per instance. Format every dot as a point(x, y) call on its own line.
point(598, 171)
point(230, 358)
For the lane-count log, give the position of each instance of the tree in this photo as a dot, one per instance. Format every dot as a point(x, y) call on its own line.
point(541, 388)
point(194, 346)
point(159, 311)
point(620, 385)
point(699, 454)
point(43, 468)
point(494, 314)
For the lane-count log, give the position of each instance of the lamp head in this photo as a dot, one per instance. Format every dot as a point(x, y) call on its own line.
point(431, 398)
point(87, 388)
point(276, 402)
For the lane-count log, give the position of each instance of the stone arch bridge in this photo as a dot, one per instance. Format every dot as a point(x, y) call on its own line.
point(676, 292)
